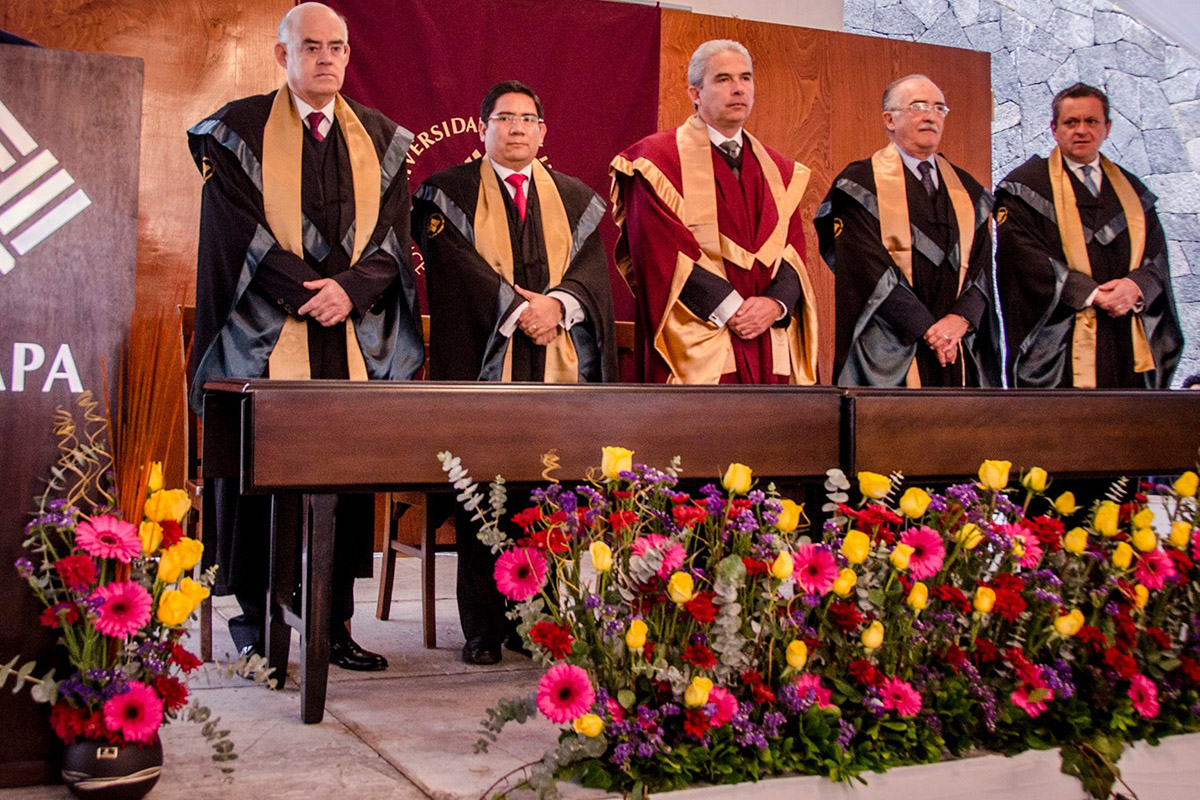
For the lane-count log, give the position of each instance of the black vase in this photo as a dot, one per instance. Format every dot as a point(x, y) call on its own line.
point(102, 771)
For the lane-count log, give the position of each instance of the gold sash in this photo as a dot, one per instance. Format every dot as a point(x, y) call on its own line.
point(1070, 229)
point(494, 244)
point(283, 145)
point(896, 229)
point(696, 352)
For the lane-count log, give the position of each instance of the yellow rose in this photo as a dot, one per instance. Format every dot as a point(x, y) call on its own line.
point(856, 547)
point(169, 566)
point(1122, 557)
point(1076, 540)
point(174, 607)
point(1187, 484)
point(985, 599)
point(900, 556)
point(1141, 596)
point(167, 504)
point(635, 637)
point(969, 535)
point(874, 485)
point(1143, 518)
point(994, 474)
point(1034, 480)
point(590, 725)
point(154, 481)
point(1107, 516)
point(697, 691)
point(197, 593)
point(789, 516)
point(602, 558)
point(151, 535)
point(681, 588)
point(914, 502)
point(1145, 540)
point(1181, 534)
point(797, 654)
point(1065, 504)
point(783, 566)
point(615, 460)
point(737, 478)
point(189, 552)
point(845, 582)
point(872, 637)
point(1069, 624)
point(918, 596)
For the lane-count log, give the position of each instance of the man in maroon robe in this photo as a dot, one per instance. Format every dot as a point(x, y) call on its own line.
point(711, 240)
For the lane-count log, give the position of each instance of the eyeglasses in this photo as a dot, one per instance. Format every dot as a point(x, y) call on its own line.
point(312, 49)
point(511, 120)
point(941, 109)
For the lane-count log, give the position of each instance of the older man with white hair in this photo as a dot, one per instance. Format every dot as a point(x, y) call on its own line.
point(712, 242)
point(304, 271)
point(907, 234)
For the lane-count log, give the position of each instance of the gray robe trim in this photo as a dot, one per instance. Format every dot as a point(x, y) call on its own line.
point(588, 222)
point(393, 160)
point(454, 215)
point(223, 135)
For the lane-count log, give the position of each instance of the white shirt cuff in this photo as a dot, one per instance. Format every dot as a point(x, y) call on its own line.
point(572, 310)
point(721, 314)
point(783, 310)
point(510, 324)
point(1091, 298)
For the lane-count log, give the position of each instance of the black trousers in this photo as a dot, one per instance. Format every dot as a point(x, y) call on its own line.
point(481, 607)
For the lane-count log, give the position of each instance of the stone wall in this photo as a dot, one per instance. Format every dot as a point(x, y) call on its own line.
point(1041, 46)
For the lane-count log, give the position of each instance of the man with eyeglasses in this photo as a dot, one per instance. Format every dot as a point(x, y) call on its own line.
point(712, 241)
point(518, 290)
point(304, 271)
point(1081, 263)
point(908, 237)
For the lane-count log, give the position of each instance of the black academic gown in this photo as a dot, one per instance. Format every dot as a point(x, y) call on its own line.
point(247, 286)
point(881, 319)
point(469, 302)
point(1040, 295)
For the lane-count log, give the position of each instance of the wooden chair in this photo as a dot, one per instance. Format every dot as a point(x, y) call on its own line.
point(193, 480)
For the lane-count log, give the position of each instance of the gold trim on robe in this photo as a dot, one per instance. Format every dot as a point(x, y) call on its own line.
point(1070, 229)
point(283, 146)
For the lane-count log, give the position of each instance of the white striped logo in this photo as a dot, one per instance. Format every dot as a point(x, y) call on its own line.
point(35, 192)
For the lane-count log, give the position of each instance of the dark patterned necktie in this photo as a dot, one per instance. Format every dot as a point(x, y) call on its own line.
point(926, 170)
point(734, 151)
point(314, 124)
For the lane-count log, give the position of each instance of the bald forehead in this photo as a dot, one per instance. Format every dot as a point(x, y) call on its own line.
point(919, 90)
point(296, 24)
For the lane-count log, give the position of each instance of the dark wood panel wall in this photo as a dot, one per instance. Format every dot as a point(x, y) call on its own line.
point(818, 99)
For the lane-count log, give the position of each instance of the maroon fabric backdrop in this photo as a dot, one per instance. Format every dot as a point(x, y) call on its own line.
point(427, 64)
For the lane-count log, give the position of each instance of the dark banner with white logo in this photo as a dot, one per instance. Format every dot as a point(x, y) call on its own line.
point(428, 64)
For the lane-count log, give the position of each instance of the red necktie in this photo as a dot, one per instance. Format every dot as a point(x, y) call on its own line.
point(518, 182)
point(314, 124)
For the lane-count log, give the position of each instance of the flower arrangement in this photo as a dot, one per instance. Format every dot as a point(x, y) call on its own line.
point(711, 637)
point(118, 594)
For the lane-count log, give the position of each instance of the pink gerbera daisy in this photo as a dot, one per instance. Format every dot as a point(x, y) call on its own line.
point(900, 696)
point(564, 693)
point(672, 552)
point(1154, 568)
point(1022, 698)
point(726, 703)
point(928, 552)
point(520, 573)
point(108, 537)
point(1144, 695)
point(815, 568)
point(124, 608)
point(136, 714)
point(809, 685)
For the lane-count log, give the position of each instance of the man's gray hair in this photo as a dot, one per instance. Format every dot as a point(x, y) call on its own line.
point(889, 94)
point(700, 58)
point(283, 36)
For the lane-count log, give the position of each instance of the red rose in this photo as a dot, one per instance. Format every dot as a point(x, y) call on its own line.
point(78, 572)
point(622, 519)
point(50, 617)
point(172, 691)
point(1183, 564)
point(846, 616)
point(1093, 637)
point(695, 722)
point(553, 540)
point(1160, 638)
point(701, 607)
point(1008, 582)
point(953, 596)
point(172, 533)
point(1123, 664)
point(1009, 604)
point(953, 656)
point(557, 639)
point(1191, 668)
point(699, 656)
point(183, 659)
point(865, 672)
point(985, 652)
point(1048, 531)
point(686, 515)
point(1126, 632)
point(527, 517)
point(67, 721)
point(755, 568)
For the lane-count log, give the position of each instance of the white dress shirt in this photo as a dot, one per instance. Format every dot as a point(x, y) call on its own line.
point(304, 109)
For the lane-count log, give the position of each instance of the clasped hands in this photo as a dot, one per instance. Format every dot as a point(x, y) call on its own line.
point(330, 305)
point(1118, 297)
point(754, 316)
point(540, 319)
point(944, 336)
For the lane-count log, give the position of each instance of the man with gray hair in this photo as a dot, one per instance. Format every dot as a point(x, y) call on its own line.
point(908, 236)
point(712, 242)
point(304, 271)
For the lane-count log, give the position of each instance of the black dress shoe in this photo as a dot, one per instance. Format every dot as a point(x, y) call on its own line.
point(481, 651)
point(344, 652)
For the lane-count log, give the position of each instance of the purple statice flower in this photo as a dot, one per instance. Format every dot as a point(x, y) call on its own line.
point(594, 498)
point(647, 714)
point(699, 638)
point(669, 710)
point(772, 724)
point(937, 503)
point(831, 529)
point(1058, 678)
point(921, 625)
point(767, 539)
point(756, 497)
point(24, 567)
point(1004, 505)
point(568, 502)
point(846, 731)
point(592, 601)
point(795, 701)
point(646, 750)
point(1111, 609)
point(964, 493)
point(1046, 576)
point(933, 722)
point(746, 523)
point(811, 600)
point(602, 697)
point(622, 753)
point(874, 704)
point(1046, 597)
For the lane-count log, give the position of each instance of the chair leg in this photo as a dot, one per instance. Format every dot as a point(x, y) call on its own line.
point(428, 577)
point(387, 571)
